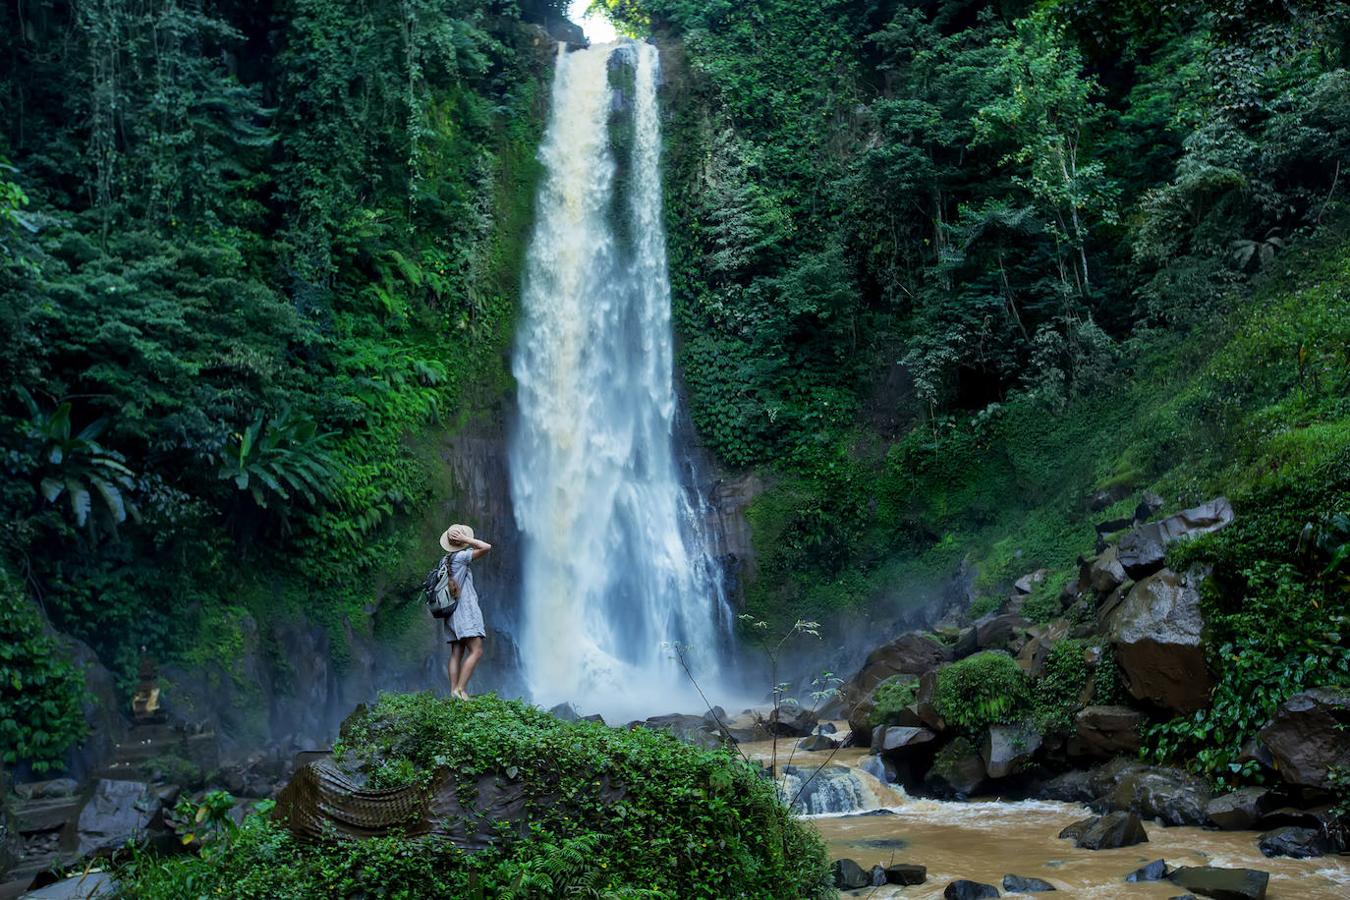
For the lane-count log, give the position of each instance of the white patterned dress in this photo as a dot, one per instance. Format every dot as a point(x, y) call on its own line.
point(467, 621)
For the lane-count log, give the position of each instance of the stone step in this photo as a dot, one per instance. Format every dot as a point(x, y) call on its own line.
point(48, 814)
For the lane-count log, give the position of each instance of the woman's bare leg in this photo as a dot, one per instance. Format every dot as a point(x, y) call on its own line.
point(452, 667)
point(472, 653)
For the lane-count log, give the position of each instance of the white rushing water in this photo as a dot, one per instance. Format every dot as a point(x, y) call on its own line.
point(615, 562)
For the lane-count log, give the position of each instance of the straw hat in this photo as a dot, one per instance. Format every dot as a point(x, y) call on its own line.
point(455, 538)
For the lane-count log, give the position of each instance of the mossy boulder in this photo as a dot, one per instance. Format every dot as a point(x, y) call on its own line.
point(591, 809)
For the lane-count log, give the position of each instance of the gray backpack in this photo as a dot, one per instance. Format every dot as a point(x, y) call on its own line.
point(442, 590)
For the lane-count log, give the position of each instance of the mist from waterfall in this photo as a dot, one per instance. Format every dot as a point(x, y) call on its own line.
point(616, 568)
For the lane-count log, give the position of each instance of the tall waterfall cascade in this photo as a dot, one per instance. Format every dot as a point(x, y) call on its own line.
point(616, 568)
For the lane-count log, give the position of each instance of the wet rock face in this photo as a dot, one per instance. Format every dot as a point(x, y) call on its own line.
point(1172, 796)
point(1239, 810)
point(1307, 737)
point(1156, 631)
point(1008, 748)
point(117, 812)
point(1222, 884)
point(1142, 551)
point(906, 873)
point(1291, 841)
point(958, 771)
point(1154, 871)
point(1104, 731)
point(912, 653)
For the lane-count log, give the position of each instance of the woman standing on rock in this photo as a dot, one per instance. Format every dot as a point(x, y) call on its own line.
point(464, 629)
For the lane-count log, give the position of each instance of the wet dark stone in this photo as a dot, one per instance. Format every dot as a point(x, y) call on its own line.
point(849, 875)
point(906, 873)
point(962, 889)
point(1117, 829)
point(1222, 884)
point(1294, 842)
point(1017, 884)
point(1154, 871)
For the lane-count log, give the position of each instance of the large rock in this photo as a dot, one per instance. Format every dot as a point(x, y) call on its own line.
point(686, 728)
point(958, 771)
point(1142, 551)
point(1108, 832)
point(1171, 796)
point(1307, 739)
point(962, 889)
point(912, 653)
point(1104, 573)
point(117, 812)
point(848, 875)
point(86, 886)
point(1156, 632)
point(1104, 731)
point(1239, 810)
point(893, 739)
point(1298, 843)
point(1222, 884)
point(1008, 748)
point(995, 632)
point(1041, 639)
point(790, 720)
point(924, 703)
point(817, 742)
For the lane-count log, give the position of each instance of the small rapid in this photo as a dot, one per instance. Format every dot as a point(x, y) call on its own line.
point(863, 818)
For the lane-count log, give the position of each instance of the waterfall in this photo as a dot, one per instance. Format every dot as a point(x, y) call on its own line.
point(615, 565)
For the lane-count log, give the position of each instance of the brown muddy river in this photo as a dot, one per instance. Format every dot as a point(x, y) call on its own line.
point(985, 840)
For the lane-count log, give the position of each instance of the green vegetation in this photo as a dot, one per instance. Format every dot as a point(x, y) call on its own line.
point(41, 692)
point(890, 697)
point(249, 256)
point(688, 823)
point(947, 268)
point(985, 689)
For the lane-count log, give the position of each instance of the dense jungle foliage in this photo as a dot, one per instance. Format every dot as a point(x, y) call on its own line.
point(249, 254)
point(944, 269)
point(672, 820)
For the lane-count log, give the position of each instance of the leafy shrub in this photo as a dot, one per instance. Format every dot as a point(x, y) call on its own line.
point(982, 690)
point(40, 691)
point(690, 822)
point(1060, 687)
point(891, 696)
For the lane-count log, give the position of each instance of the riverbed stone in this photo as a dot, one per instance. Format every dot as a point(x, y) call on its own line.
point(1142, 551)
point(848, 875)
point(1221, 883)
point(1008, 748)
point(791, 720)
point(817, 742)
point(906, 873)
point(1307, 737)
point(1103, 573)
point(1019, 884)
point(963, 889)
point(1156, 631)
point(1294, 842)
point(1239, 810)
point(88, 886)
point(1154, 871)
point(1108, 832)
point(1105, 731)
